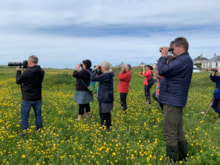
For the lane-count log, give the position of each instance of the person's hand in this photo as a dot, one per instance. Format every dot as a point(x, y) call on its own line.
point(78, 66)
point(122, 69)
point(97, 67)
point(18, 68)
point(164, 51)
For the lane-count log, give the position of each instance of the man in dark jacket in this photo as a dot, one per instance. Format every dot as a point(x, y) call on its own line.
point(31, 81)
point(174, 87)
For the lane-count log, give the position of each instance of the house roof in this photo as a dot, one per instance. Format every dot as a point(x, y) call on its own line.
point(200, 58)
point(215, 59)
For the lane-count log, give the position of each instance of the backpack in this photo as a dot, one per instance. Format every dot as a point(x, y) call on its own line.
point(93, 85)
point(151, 80)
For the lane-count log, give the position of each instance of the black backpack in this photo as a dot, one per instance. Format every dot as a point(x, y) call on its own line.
point(151, 80)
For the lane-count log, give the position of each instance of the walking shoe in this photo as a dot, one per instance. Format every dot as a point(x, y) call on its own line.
point(22, 134)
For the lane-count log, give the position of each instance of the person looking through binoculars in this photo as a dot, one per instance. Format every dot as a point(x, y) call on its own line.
point(147, 73)
point(124, 78)
point(105, 92)
point(174, 87)
point(216, 95)
point(82, 95)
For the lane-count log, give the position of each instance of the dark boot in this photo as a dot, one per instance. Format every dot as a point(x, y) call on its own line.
point(148, 100)
point(172, 154)
point(182, 148)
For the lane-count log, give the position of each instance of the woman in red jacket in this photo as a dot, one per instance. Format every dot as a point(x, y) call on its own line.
point(147, 73)
point(124, 78)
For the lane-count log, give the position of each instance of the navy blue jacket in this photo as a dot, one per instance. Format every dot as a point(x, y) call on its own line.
point(176, 78)
point(216, 79)
point(105, 90)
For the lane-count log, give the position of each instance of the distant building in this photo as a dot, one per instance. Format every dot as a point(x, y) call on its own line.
point(142, 64)
point(200, 59)
point(120, 65)
point(212, 63)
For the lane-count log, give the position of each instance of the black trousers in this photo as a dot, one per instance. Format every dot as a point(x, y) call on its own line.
point(105, 117)
point(82, 107)
point(123, 97)
point(147, 92)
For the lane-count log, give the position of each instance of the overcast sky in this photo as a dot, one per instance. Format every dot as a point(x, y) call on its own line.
point(62, 33)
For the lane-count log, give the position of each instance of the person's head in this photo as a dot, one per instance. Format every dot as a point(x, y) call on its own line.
point(86, 64)
point(180, 45)
point(148, 67)
point(127, 67)
point(105, 67)
point(32, 60)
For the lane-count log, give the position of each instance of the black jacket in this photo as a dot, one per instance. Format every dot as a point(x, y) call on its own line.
point(105, 90)
point(83, 75)
point(31, 81)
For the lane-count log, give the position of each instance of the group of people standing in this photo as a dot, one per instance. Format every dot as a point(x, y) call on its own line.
point(104, 75)
point(175, 78)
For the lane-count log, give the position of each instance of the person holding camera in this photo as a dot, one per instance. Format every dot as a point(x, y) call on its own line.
point(216, 96)
point(31, 83)
point(174, 87)
point(147, 73)
point(105, 92)
point(124, 78)
point(82, 95)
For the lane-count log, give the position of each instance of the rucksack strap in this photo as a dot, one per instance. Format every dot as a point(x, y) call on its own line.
point(83, 83)
point(89, 71)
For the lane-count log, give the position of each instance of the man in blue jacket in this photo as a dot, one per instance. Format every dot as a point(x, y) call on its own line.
point(174, 87)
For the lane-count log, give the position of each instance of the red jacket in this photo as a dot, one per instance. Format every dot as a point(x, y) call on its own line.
point(124, 80)
point(147, 76)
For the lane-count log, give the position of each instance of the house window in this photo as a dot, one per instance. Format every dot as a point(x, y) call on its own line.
point(216, 65)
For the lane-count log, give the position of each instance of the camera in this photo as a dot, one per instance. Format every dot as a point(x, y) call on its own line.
point(169, 50)
point(23, 64)
point(214, 70)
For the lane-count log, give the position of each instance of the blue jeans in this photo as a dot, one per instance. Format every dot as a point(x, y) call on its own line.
point(25, 109)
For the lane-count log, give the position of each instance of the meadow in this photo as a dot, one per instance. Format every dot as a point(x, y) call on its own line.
point(135, 138)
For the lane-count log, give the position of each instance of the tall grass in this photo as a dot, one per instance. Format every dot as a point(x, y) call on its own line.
point(136, 137)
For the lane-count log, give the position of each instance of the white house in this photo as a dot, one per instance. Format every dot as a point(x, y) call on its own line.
point(212, 63)
point(199, 59)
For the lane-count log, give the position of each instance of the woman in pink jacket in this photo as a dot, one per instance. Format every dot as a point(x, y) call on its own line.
point(147, 73)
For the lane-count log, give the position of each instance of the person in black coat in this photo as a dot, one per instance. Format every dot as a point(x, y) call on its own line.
point(82, 95)
point(31, 83)
point(105, 92)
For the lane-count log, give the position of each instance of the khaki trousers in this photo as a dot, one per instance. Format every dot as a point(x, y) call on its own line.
point(173, 132)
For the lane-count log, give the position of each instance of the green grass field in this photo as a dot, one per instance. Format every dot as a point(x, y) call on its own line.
point(136, 137)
